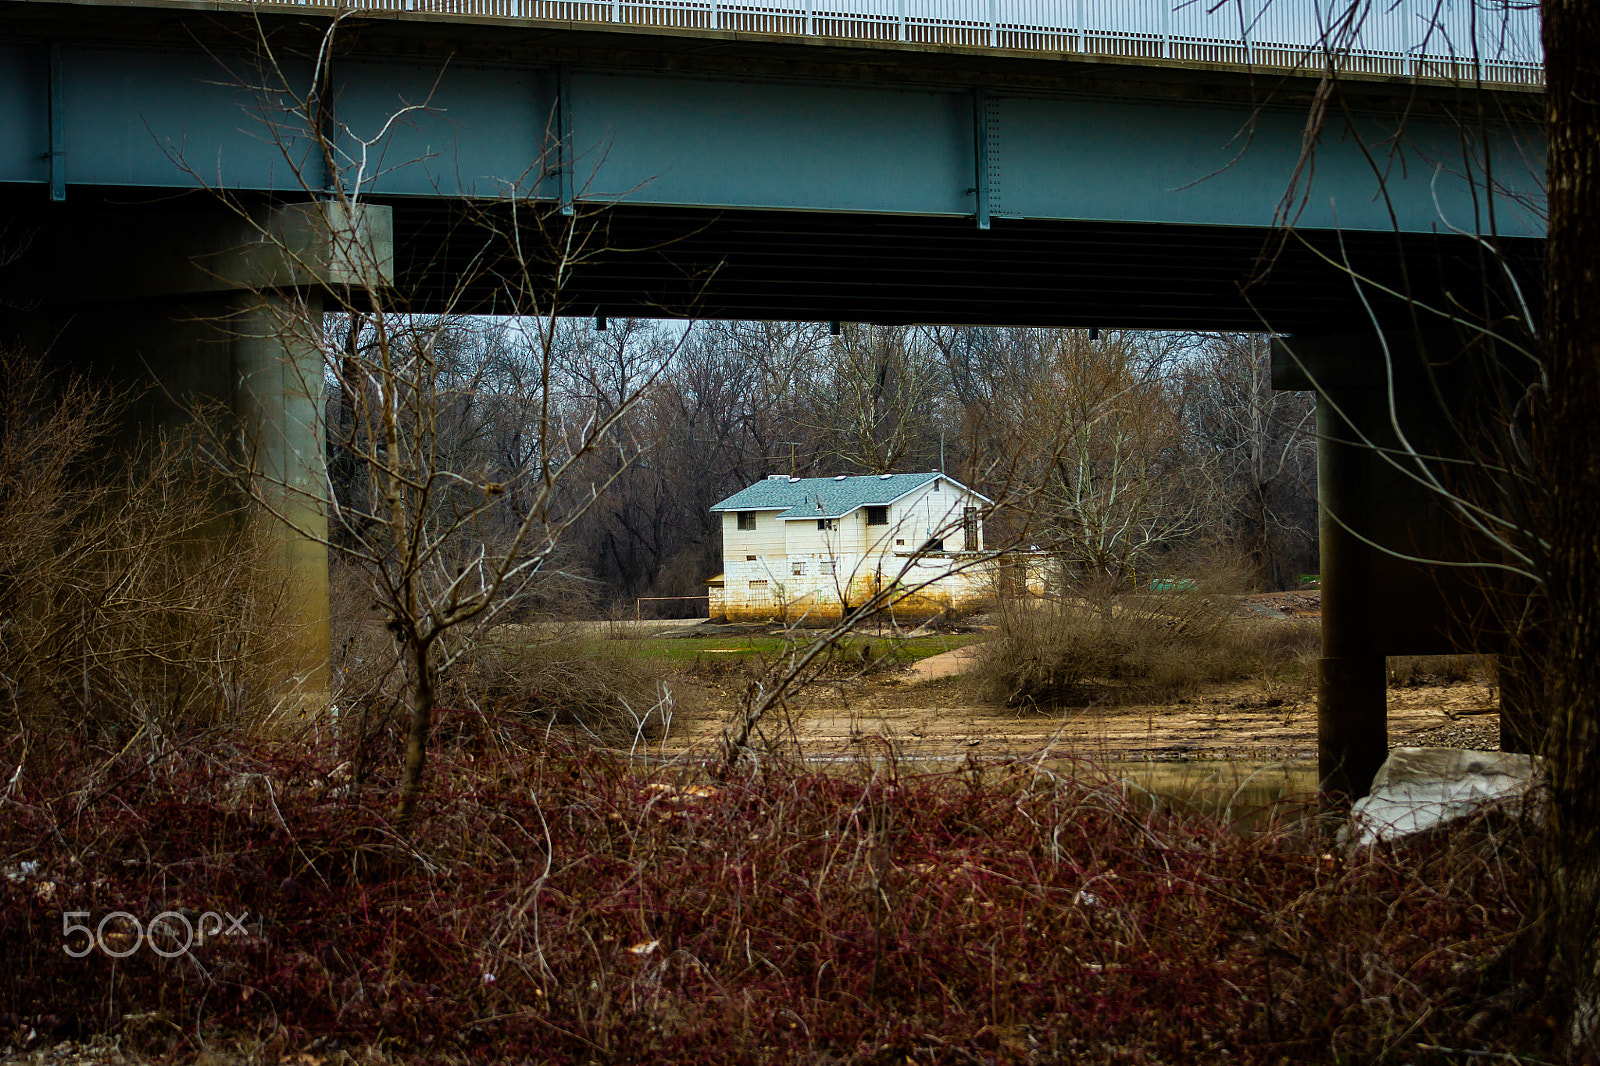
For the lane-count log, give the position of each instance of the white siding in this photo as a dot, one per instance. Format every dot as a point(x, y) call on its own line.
point(765, 540)
point(804, 540)
point(754, 584)
point(923, 514)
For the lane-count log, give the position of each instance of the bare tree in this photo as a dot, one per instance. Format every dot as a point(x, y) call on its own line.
point(1565, 446)
point(773, 409)
point(872, 394)
point(1118, 482)
point(1260, 445)
point(985, 370)
point(447, 533)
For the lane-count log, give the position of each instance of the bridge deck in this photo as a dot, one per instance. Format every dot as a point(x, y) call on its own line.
point(1436, 42)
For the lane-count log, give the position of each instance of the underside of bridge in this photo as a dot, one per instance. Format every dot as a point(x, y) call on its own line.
point(815, 266)
point(707, 263)
point(729, 176)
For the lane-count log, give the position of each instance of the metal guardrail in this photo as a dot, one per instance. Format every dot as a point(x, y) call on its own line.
point(1449, 39)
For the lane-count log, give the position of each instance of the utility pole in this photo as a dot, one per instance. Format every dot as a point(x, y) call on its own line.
point(793, 444)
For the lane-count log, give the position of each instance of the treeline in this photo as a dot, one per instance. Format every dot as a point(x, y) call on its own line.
point(1123, 453)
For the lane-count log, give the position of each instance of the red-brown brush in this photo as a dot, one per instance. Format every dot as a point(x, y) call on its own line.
point(570, 907)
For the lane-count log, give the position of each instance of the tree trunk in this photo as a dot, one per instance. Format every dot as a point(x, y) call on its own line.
point(1569, 454)
point(1261, 562)
point(344, 465)
point(421, 678)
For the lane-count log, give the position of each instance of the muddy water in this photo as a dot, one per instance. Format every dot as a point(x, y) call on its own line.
point(1248, 795)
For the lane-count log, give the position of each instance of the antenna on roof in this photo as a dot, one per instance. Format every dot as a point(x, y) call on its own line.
point(793, 444)
point(941, 451)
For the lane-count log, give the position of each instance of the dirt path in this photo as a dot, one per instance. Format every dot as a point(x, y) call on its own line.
point(945, 664)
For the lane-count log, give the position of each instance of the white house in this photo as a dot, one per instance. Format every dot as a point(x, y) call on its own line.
point(808, 547)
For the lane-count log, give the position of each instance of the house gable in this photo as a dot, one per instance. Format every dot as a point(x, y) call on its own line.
point(933, 515)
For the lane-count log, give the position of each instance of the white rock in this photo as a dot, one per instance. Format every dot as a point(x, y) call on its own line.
point(1419, 788)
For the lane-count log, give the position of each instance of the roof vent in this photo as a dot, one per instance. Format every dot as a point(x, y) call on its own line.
point(777, 477)
point(840, 477)
point(885, 477)
point(792, 479)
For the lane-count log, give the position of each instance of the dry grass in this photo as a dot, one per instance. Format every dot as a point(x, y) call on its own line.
point(131, 597)
point(1411, 671)
point(564, 678)
point(537, 677)
point(1136, 647)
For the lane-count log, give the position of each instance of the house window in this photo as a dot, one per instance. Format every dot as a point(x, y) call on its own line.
point(747, 520)
point(829, 567)
point(824, 523)
point(938, 486)
point(934, 544)
point(900, 543)
point(969, 528)
point(799, 569)
point(749, 558)
point(877, 516)
point(759, 583)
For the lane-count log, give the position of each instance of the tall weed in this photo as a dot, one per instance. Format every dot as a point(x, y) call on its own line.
point(1130, 647)
point(132, 598)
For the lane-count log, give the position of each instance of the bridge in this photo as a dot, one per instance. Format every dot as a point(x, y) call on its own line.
point(1415, 38)
point(1070, 163)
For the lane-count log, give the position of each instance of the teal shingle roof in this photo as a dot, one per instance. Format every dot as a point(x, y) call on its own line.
point(838, 496)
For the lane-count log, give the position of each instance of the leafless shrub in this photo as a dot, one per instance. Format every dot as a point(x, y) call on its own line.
point(368, 705)
point(554, 676)
point(1410, 671)
point(460, 465)
point(131, 597)
point(506, 684)
point(1129, 646)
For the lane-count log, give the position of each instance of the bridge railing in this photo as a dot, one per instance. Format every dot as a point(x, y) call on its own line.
point(1452, 39)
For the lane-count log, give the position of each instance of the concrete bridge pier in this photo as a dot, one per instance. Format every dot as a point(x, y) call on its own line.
point(212, 313)
point(1352, 683)
point(1396, 416)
